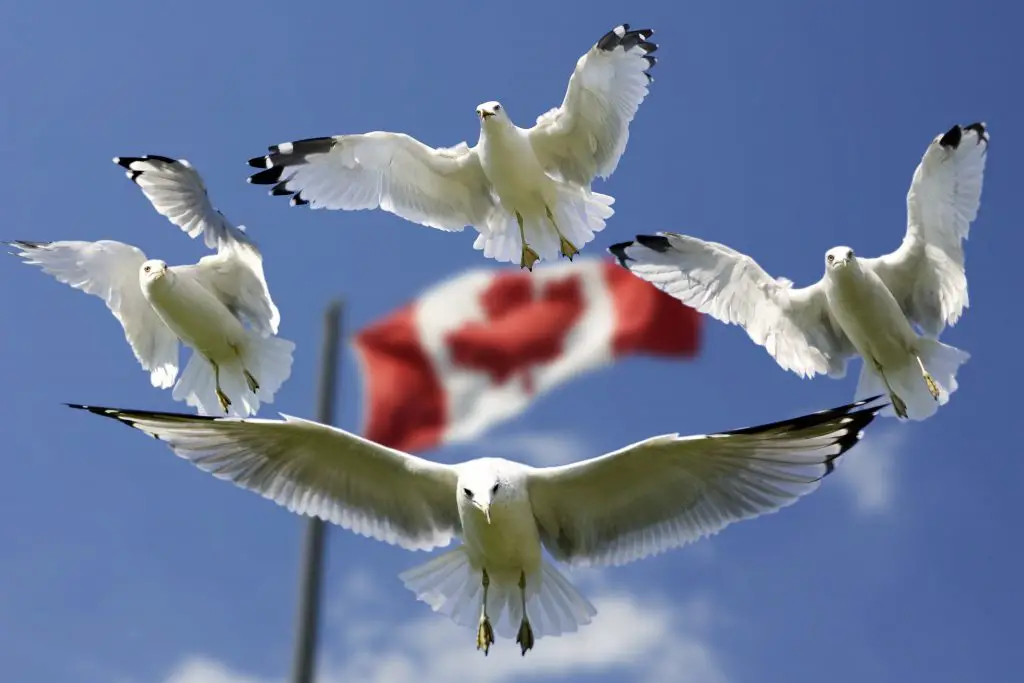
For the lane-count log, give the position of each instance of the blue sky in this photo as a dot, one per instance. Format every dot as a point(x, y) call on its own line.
point(781, 129)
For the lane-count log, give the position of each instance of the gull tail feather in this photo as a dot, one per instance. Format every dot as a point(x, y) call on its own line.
point(196, 386)
point(449, 584)
point(452, 586)
point(267, 359)
point(580, 214)
point(942, 362)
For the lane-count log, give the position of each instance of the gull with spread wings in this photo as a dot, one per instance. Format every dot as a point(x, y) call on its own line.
point(204, 305)
point(525, 190)
point(861, 306)
point(655, 495)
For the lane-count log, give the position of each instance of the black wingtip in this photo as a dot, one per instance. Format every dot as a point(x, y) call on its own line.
point(112, 413)
point(281, 190)
point(980, 128)
point(855, 418)
point(283, 156)
point(269, 176)
point(129, 417)
point(26, 244)
point(628, 39)
point(951, 138)
point(126, 162)
point(106, 412)
point(658, 243)
point(619, 252)
point(133, 174)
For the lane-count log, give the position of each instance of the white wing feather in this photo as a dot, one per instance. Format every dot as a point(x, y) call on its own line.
point(794, 325)
point(926, 273)
point(177, 192)
point(235, 273)
point(440, 188)
point(110, 270)
point(668, 491)
point(586, 136)
point(316, 470)
point(235, 276)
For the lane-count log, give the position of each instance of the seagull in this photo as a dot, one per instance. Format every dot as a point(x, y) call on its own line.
point(204, 305)
point(525, 190)
point(861, 306)
point(652, 496)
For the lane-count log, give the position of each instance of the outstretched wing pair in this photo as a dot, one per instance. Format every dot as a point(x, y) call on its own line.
point(925, 274)
point(445, 188)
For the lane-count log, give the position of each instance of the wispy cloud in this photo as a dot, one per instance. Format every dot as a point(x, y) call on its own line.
point(870, 471)
point(643, 637)
point(206, 670)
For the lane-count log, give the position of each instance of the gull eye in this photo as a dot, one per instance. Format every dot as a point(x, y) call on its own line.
point(497, 107)
point(146, 269)
point(831, 258)
point(469, 494)
point(494, 489)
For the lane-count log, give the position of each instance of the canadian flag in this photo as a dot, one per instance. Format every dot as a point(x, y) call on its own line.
point(476, 349)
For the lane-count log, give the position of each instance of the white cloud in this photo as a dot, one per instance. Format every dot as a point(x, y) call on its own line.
point(650, 639)
point(644, 637)
point(869, 471)
point(205, 670)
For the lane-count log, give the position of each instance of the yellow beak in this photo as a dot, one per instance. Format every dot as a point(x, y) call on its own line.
point(486, 509)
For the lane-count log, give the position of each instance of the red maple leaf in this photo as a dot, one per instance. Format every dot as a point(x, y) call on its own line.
point(520, 331)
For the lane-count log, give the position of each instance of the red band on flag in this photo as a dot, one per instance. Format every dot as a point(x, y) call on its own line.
point(404, 404)
point(476, 349)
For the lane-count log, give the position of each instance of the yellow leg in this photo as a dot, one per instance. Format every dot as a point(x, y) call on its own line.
point(529, 256)
point(933, 386)
point(485, 634)
point(221, 396)
point(254, 386)
point(525, 637)
point(250, 381)
point(568, 248)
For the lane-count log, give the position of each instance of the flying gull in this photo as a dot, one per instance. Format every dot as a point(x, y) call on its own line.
point(525, 190)
point(861, 306)
point(654, 495)
point(205, 305)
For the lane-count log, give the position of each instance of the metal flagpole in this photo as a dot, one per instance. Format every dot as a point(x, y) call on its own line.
point(310, 570)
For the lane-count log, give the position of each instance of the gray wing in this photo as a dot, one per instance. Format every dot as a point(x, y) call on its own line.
point(926, 273)
point(793, 325)
point(586, 136)
point(177, 192)
point(316, 470)
point(110, 270)
point(441, 188)
point(668, 491)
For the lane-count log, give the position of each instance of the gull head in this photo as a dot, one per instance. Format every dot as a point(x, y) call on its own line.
point(838, 257)
point(483, 486)
point(490, 113)
point(151, 271)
